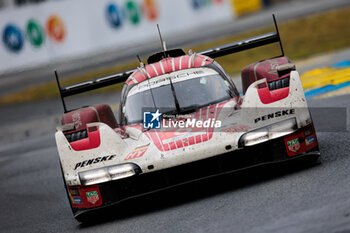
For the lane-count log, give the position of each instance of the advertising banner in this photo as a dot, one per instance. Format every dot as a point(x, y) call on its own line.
point(59, 30)
point(242, 7)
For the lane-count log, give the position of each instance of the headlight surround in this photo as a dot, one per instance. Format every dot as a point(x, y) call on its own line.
point(269, 132)
point(105, 174)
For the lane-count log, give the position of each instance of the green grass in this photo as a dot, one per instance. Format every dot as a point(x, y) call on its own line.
point(301, 38)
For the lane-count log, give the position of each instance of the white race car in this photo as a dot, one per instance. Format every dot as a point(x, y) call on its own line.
point(181, 119)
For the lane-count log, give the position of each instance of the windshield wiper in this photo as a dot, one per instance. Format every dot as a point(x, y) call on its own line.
point(174, 95)
point(150, 89)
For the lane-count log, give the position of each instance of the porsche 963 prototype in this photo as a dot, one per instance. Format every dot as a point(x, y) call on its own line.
point(181, 119)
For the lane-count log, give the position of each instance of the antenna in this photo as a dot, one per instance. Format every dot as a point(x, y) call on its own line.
point(149, 84)
point(150, 89)
point(59, 89)
point(162, 42)
point(141, 63)
point(278, 34)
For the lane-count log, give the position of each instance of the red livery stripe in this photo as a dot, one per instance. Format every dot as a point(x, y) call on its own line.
point(179, 144)
point(198, 139)
point(172, 145)
point(191, 140)
point(168, 65)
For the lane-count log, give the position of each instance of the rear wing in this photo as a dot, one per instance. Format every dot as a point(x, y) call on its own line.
point(249, 43)
point(234, 47)
point(90, 85)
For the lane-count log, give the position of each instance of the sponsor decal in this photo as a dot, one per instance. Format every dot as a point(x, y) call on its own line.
point(35, 33)
point(55, 28)
point(76, 200)
point(113, 13)
point(293, 145)
point(74, 191)
point(163, 80)
point(242, 7)
point(277, 114)
point(92, 197)
point(308, 132)
point(93, 161)
point(273, 67)
point(309, 140)
point(12, 38)
point(76, 120)
point(198, 4)
point(131, 11)
point(137, 152)
point(150, 9)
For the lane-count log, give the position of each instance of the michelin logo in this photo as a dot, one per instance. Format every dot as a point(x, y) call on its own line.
point(151, 120)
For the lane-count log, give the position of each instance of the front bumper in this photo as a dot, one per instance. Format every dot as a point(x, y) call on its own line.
point(273, 151)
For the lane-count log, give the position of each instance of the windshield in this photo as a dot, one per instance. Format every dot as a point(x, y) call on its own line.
point(193, 89)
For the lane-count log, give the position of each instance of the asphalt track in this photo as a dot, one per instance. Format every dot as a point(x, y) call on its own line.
point(269, 199)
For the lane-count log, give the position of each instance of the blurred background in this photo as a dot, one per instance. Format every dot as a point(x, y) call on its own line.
point(83, 39)
point(86, 39)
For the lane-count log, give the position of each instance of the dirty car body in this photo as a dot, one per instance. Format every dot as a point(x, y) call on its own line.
point(202, 125)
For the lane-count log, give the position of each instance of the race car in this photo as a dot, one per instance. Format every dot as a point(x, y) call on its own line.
point(181, 119)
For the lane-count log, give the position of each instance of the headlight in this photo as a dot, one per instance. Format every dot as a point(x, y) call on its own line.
point(267, 133)
point(255, 137)
point(115, 172)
